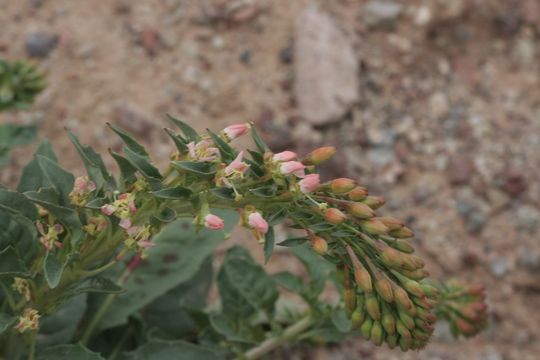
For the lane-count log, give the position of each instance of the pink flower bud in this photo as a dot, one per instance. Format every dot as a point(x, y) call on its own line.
point(310, 183)
point(292, 167)
point(108, 209)
point(125, 223)
point(83, 185)
point(237, 165)
point(257, 222)
point(213, 222)
point(231, 132)
point(284, 156)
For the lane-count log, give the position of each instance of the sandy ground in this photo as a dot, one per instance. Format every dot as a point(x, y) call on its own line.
point(447, 126)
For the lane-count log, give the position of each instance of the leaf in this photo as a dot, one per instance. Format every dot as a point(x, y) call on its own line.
point(227, 152)
point(53, 269)
point(341, 321)
point(265, 191)
point(11, 264)
point(317, 267)
point(224, 193)
point(129, 141)
point(204, 169)
point(277, 217)
point(269, 240)
point(166, 215)
point(175, 193)
point(188, 131)
point(60, 326)
point(127, 170)
point(142, 163)
point(261, 145)
point(95, 167)
point(19, 232)
point(61, 180)
point(178, 141)
point(6, 321)
point(68, 352)
point(32, 177)
point(177, 257)
point(290, 281)
point(177, 350)
point(96, 284)
point(244, 286)
point(296, 241)
point(18, 202)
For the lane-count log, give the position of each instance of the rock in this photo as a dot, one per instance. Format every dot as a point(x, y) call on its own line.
point(438, 105)
point(286, 55)
point(326, 69)
point(381, 13)
point(245, 57)
point(514, 182)
point(497, 199)
point(460, 169)
point(149, 40)
point(499, 267)
point(381, 156)
point(529, 259)
point(472, 210)
point(40, 44)
point(423, 16)
point(527, 218)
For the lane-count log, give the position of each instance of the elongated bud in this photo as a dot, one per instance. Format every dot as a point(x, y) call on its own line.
point(402, 233)
point(358, 193)
point(384, 289)
point(392, 341)
point(361, 211)
point(342, 185)
point(365, 329)
point(403, 245)
point(319, 245)
point(358, 316)
point(388, 321)
point(405, 343)
point(418, 274)
point(402, 299)
point(376, 333)
point(361, 274)
point(319, 155)
point(372, 306)
point(334, 216)
point(402, 330)
point(406, 319)
point(374, 227)
point(430, 291)
point(391, 223)
point(349, 297)
point(374, 202)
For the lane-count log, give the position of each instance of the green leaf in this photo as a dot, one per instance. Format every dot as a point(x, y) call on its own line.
point(32, 177)
point(177, 350)
point(19, 232)
point(290, 281)
point(317, 267)
point(18, 202)
point(53, 269)
point(268, 191)
point(60, 326)
point(142, 163)
point(188, 131)
point(292, 242)
point(129, 141)
point(224, 193)
point(11, 264)
point(226, 151)
point(277, 217)
point(67, 216)
point(175, 193)
point(269, 240)
point(95, 167)
point(204, 169)
point(341, 321)
point(127, 170)
point(165, 215)
point(178, 255)
point(261, 145)
point(6, 321)
point(68, 352)
point(244, 286)
point(96, 284)
point(179, 141)
point(61, 180)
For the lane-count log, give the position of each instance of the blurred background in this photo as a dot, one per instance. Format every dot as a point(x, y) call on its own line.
point(433, 104)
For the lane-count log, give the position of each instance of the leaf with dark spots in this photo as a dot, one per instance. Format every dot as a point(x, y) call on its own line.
point(170, 258)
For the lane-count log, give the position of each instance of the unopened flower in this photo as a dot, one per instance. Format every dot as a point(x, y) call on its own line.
point(82, 188)
point(257, 222)
point(320, 155)
point(334, 216)
point(237, 167)
point(309, 183)
point(108, 209)
point(29, 320)
point(125, 223)
point(49, 238)
point(138, 238)
point(123, 207)
point(284, 156)
point(204, 151)
point(213, 222)
point(234, 131)
point(292, 167)
point(22, 286)
point(319, 245)
point(95, 225)
point(342, 185)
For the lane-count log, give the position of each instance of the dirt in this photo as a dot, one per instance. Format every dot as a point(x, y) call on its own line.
point(447, 127)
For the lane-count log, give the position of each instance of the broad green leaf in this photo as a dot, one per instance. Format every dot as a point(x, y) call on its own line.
point(224, 193)
point(165, 215)
point(60, 326)
point(175, 193)
point(61, 180)
point(244, 286)
point(11, 264)
point(178, 141)
point(188, 131)
point(6, 321)
point(95, 167)
point(341, 321)
point(32, 177)
point(234, 330)
point(176, 258)
point(68, 352)
point(53, 269)
point(256, 156)
point(127, 170)
point(129, 141)
point(18, 202)
point(265, 191)
point(226, 151)
point(204, 169)
point(142, 163)
point(19, 232)
point(290, 282)
point(169, 350)
point(296, 241)
point(318, 268)
point(277, 217)
point(269, 241)
point(261, 145)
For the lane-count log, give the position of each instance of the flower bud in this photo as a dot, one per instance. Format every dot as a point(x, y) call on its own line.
point(29, 320)
point(374, 227)
point(365, 329)
point(406, 319)
point(342, 185)
point(257, 222)
point(213, 222)
point(358, 193)
point(334, 216)
point(349, 297)
point(388, 322)
point(374, 202)
point(391, 223)
point(413, 288)
point(234, 131)
point(309, 183)
point(403, 246)
point(402, 233)
point(418, 274)
point(372, 306)
point(405, 343)
point(384, 289)
point(392, 341)
point(430, 291)
point(402, 330)
point(292, 167)
point(320, 155)
point(319, 245)
point(361, 211)
point(284, 156)
point(402, 299)
point(376, 333)
point(357, 318)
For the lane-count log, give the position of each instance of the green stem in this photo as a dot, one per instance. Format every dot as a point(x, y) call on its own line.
point(32, 352)
point(120, 345)
point(273, 343)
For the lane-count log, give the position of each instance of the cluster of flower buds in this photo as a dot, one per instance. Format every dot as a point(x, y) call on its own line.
point(50, 237)
point(29, 320)
point(82, 190)
point(22, 286)
point(463, 307)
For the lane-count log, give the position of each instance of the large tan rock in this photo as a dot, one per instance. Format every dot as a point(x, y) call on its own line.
point(326, 69)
